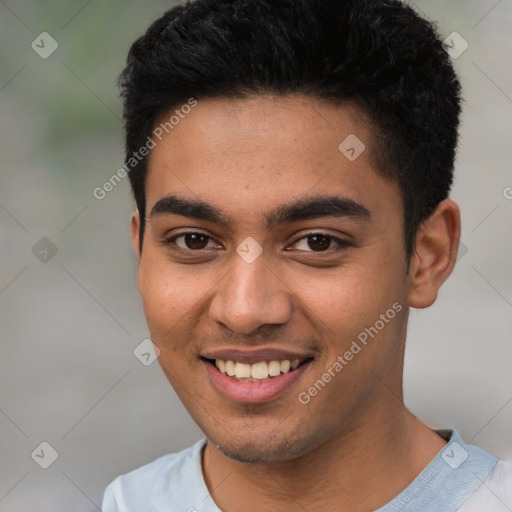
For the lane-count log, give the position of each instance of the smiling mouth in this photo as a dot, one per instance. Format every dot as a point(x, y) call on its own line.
point(257, 372)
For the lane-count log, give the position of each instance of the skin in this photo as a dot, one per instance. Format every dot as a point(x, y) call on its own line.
point(354, 446)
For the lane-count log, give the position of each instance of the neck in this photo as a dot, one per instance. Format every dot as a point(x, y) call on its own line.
point(359, 469)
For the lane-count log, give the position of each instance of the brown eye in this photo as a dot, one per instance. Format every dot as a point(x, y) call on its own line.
point(195, 241)
point(319, 242)
point(189, 241)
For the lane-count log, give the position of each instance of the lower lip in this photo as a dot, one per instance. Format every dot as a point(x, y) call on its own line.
point(253, 392)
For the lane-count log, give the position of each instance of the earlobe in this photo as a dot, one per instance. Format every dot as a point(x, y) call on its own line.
point(134, 226)
point(435, 253)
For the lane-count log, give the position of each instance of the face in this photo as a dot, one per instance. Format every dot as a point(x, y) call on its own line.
point(266, 243)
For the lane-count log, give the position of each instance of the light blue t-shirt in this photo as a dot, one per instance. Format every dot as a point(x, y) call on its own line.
point(461, 477)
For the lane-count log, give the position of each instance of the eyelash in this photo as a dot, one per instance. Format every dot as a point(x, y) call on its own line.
point(342, 244)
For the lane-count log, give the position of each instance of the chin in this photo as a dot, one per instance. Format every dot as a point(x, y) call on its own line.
point(263, 451)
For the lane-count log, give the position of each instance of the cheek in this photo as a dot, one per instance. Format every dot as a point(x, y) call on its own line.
point(354, 295)
point(175, 298)
point(167, 297)
point(352, 301)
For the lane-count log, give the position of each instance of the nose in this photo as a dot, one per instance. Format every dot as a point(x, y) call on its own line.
point(250, 296)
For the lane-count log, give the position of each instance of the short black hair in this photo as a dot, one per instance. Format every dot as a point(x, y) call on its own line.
point(378, 53)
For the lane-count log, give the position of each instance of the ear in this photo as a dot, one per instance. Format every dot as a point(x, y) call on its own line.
point(135, 230)
point(434, 255)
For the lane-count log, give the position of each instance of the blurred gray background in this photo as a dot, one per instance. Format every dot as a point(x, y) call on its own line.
point(71, 319)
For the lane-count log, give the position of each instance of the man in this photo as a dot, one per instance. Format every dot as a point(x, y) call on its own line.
point(291, 162)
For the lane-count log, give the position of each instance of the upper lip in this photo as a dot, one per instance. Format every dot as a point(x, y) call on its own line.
point(251, 356)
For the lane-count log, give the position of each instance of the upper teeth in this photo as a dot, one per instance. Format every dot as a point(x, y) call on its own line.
point(260, 371)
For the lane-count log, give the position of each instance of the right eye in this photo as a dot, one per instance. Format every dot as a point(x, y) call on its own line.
point(189, 241)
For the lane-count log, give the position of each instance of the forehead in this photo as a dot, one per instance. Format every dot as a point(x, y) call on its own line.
point(292, 125)
point(263, 150)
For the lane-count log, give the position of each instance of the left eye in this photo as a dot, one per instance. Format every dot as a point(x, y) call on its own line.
point(318, 242)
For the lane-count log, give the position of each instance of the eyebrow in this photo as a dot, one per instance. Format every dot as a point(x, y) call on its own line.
point(302, 209)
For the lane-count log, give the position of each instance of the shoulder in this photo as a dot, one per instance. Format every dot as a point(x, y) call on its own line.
point(140, 489)
point(495, 492)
